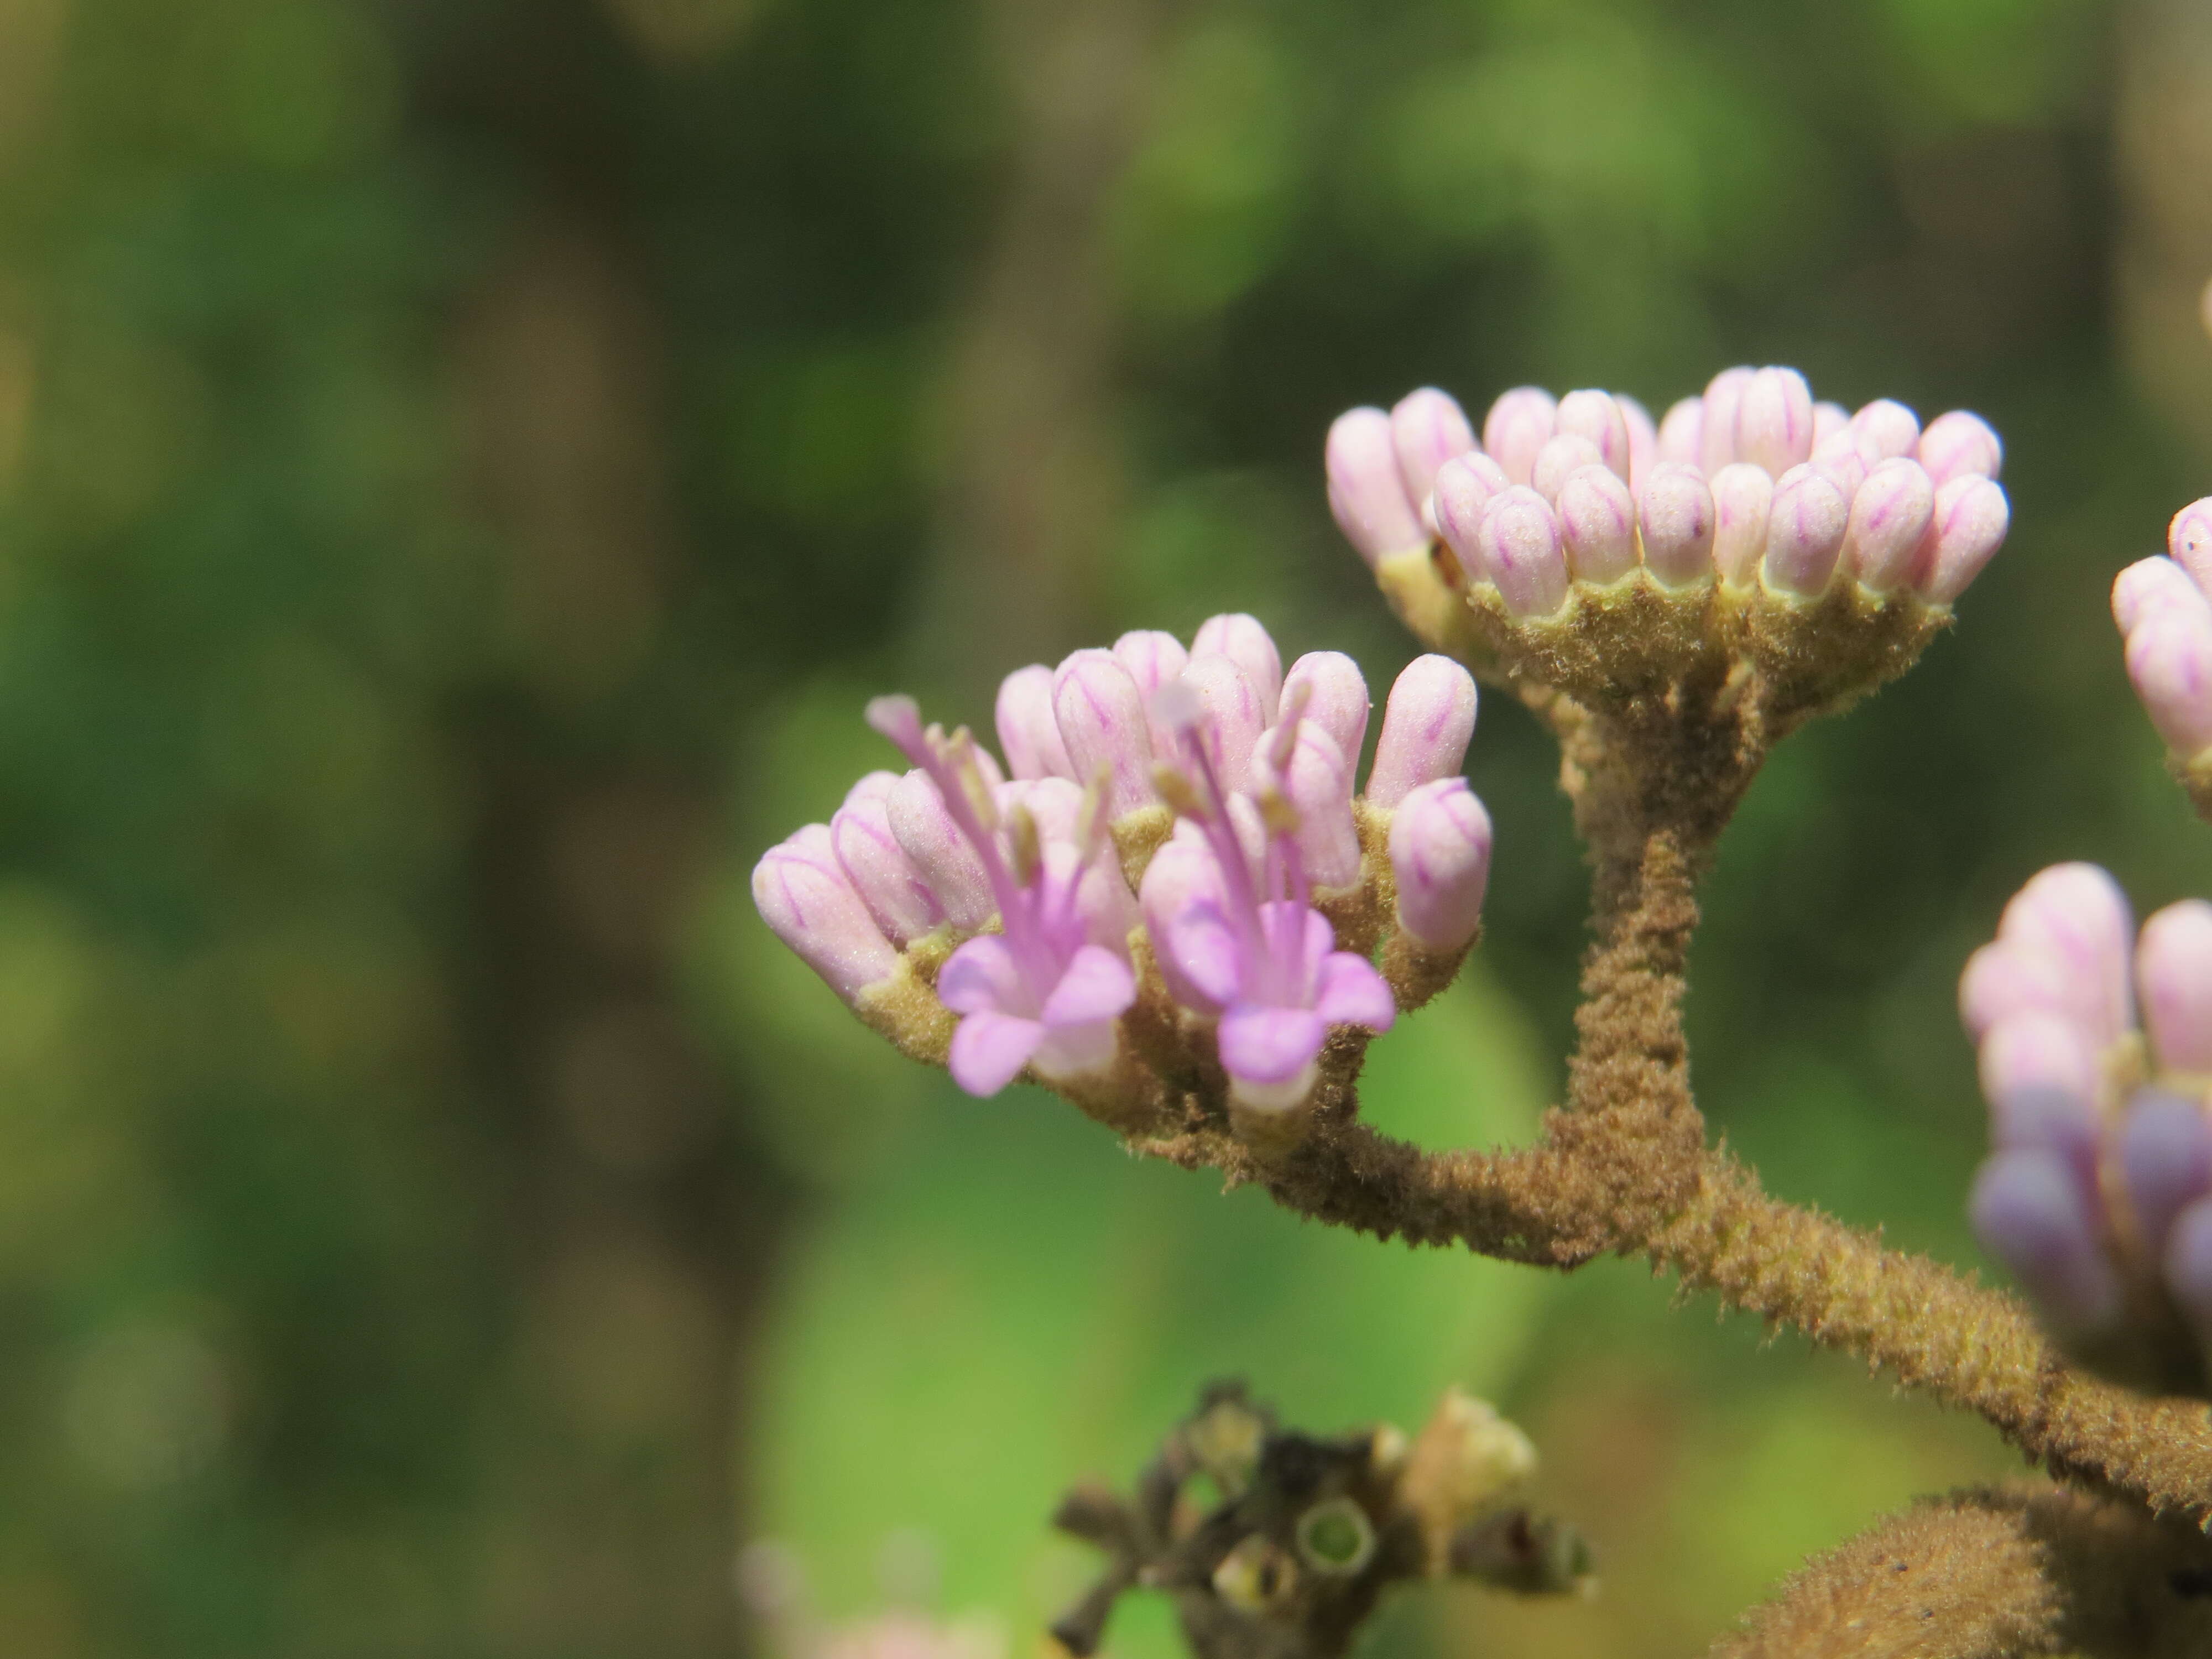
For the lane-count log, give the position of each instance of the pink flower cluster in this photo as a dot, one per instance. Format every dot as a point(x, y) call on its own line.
point(1753, 482)
point(2164, 608)
point(1257, 764)
point(2103, 1141)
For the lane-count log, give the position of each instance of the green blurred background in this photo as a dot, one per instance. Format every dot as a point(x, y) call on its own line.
point(464, 463)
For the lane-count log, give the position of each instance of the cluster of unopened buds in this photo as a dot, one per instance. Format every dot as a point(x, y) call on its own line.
point(2098, 1194)
point(2164, 608)
point(1171, 869)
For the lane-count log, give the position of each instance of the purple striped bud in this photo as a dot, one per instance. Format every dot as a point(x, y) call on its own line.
point(2149, 586)
point(1774, 421)
point(1240, 638)
point(2166, 1161)
point(1597, 524)
point(1716, 433)
point(1678, 516)
point(1890, 514)
point(1567, 453)
point(1427, 429)
point(1184, 873)
point(2030, 1212)
point(1335, 697)
point(1153, 658)
point(1028, 731)
point(1885, 429)
point(1103, 722)
point(2169, 660)
point(1598, 417)
point(1742, 495)
point(1317, 782)
point(1234, 711)
point(1959, 444)
point(1522, 554)
point(1829, 420)
point(2189, 1267)
point(940, 853)
point(1681, 433)
point(803, 895)
point(1440, 857)
point(870, 785)
point(1843, 469)
point(1972, 516)
point(1463, 494)
point(1427, 725)
point(2173, 971)
point(2030, 1053)
point(2077, 914)
point(1804, 532)
point(1642, 440)
point(2009, 977)
point(1518, 425)
point(1367, 492)
point(881, 873)
point(2189, 540)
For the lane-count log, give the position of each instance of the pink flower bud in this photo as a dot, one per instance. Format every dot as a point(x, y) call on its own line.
point(2174, 970)
point(1440, 856)
point(1153, 658)
point(1102, 720)
point(1335, 697)
point(870, 785)
point(1560, 456)
point(1428, 428)
point(1522, 554)
point(1598, 417)
point(1235, 713)
point(1804, 532)
point(1972, 516)
point(2031, 1052)
point(1957, 444)
point(1518, 425)
point(1774, 421)
point(1890, 514)
point(1885, 429)
point(1717, 435)
point(2010, 977)
point(1427, 725)
point(1463, 493)
point(2189, 540)
point(1317, 782)
point(2169, 658)
point(1843, 469)
point(1242, 640)
point(1028, 731)
point(803, 895)
point(2150, 585)
point(1829, 420)
point(1056, 803)
point(1367, 492)
point(1742, 495)
point(1184, 873)
point(1597, 523)
point(941, 856)
point(880, 871)
point(1642, 440)
point(2078, 914)
point(1681, 432)
point(1678, 516)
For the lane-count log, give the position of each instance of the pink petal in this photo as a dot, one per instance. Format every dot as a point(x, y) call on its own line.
point(990, 1049)
point(1264, 1044)
point(1096, 986)
point(982, 976)
point(1204, 953)
point(1352, 994)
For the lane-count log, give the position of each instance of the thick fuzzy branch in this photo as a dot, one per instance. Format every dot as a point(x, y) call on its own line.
point(1993, 1575)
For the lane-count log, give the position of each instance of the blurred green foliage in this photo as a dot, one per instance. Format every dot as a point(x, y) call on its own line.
point(463, 464)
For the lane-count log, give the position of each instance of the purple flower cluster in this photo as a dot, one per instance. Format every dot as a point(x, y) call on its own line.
point(2164, 608)
point(1753, 482)
point(2102, 1170)
point(1023, 871)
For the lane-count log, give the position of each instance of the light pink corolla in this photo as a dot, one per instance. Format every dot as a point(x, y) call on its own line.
point(1043, 993)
